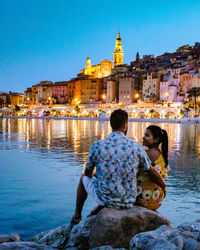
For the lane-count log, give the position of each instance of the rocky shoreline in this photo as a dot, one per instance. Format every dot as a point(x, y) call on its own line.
point(136, 228)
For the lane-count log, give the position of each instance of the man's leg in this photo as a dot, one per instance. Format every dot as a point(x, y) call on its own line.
point(96, 210)
point(81, 196)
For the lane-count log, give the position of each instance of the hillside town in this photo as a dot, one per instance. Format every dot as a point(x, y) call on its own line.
point(168, 80)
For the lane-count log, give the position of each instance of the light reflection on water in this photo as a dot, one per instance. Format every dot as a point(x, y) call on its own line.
point(41, 161)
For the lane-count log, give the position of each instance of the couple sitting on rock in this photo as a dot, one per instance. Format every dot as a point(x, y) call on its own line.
point(125, 175)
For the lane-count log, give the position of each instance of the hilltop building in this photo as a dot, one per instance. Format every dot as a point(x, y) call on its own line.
point(118, 52)
point(128, 92)
point(151, 88)
point(97, 71)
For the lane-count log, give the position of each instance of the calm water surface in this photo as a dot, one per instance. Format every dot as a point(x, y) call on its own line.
point(41, 162)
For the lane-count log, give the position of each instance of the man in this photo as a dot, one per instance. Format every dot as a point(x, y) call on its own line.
point(117, 160)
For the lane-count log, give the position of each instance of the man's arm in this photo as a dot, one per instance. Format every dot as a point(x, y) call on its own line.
point(88, 172)
point(156, 177)
point(90, 165)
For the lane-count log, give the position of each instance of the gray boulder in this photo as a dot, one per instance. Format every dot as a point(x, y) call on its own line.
point(116, 227)
point(80, 233)
point(55, 238)
point(9, 238)
point(192, 227)
point(191, 244)
point(24, 246)
point(168, 238)
point(107, 247)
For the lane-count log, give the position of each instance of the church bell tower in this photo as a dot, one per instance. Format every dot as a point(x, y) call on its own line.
point(118, 52)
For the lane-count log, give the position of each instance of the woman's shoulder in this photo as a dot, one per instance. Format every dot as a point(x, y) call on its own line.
point(153, 154)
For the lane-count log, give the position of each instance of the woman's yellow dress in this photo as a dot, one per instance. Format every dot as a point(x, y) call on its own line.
point(147, 189)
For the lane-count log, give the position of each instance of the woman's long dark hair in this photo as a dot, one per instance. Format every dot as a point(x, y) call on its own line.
point(162, 136)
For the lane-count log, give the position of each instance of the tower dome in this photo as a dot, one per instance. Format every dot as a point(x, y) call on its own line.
point(88, 61)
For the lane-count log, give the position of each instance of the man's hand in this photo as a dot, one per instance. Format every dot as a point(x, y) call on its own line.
point(157, 178)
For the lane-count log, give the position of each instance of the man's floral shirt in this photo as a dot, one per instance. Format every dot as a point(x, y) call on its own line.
point(117, 160)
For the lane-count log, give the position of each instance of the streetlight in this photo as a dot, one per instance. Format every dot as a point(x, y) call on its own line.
point(28, 99)
point(137, 95)
point(49, 98)
point(167, 94)
point(103, 97)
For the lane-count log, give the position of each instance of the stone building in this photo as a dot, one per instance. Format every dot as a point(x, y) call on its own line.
point(97, 71)
point(91, 90)
point(111, 90)
point(16, 99)
point(151, 87)
point(44, 95)
point(127, 90)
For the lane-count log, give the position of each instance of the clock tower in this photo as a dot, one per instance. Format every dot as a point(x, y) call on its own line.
point(118, 52)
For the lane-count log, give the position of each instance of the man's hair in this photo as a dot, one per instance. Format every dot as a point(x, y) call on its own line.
point(118, 118)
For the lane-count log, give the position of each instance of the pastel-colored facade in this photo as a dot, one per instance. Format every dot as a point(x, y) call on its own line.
point(59, 92)
point(97, 71)
point(74, 91)
point(28, 96)
point(34, 100)
point(45, 92)
point(173, 93)
point(151, 88)
point(16, 99)
point(196, 80)
point(91, 90)
point(71, 91)
point(111, 91)
point(186, 82)
point(169, 87)
point(164, 90)
point(77, 92)
point(118, 52)
point(127, 90)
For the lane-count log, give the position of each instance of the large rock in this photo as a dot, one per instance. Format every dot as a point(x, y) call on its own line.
point(9, 238)
point(186, 236)
point(80, 233)
point(55, 238)
point(116, 227)
point(107, 247)
point(24, 246)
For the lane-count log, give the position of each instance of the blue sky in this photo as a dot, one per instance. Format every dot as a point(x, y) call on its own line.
point(51, 39)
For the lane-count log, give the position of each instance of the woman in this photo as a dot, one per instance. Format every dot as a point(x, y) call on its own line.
point(150, 193)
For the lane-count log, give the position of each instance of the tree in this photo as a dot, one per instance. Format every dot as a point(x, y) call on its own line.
point(77, 109)
point(8, 101)
point(17, 108)
point(122, 106)
point(1, 103)
point(194, 93)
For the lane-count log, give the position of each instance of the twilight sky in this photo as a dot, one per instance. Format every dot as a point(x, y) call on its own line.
point(51, 39)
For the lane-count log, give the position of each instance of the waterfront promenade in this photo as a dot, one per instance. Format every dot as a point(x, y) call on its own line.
point(185, 120)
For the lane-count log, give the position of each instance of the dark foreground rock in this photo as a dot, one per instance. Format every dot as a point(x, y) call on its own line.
point(57, 238)
point(9, 238)
point(136, 228)
point(185, 236)
point(24, 246)
point(117, 227)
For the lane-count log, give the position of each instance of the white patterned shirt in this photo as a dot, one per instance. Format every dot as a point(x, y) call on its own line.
point(117, 159)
